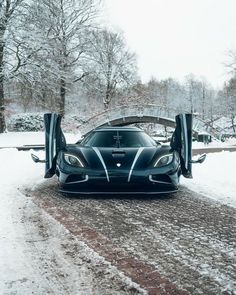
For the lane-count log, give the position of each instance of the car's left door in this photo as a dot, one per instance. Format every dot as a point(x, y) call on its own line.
point(54, 142)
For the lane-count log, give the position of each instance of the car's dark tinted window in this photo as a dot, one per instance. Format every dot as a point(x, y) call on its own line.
point(118, 139)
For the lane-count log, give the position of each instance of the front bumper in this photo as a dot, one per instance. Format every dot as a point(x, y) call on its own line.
point(141, 182)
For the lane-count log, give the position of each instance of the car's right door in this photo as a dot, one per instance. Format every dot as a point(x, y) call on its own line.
point(182, 142)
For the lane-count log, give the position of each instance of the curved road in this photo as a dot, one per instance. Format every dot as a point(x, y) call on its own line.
point(179, 244)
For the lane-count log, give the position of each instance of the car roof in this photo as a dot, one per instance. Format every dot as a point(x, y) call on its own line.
point(117, 128)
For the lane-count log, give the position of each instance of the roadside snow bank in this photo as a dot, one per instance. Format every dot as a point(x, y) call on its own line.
point(215, 143)
point(18, 169)
point(215, 178)
point(15, 266)
point(16, 139)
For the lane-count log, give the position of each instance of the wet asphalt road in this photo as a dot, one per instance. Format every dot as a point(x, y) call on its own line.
point(187, 238)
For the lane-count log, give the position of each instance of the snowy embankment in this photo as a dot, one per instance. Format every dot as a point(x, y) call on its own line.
point(17, 170)
point(230, 142)
point(215, 178)
point(16, 139)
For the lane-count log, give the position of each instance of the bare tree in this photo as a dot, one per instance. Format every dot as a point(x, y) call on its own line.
point(193, 90)
point(59, 28)
point(8, 9)
point(206, 104)
point(229, 92)
point(230, 64)
point(110, 62)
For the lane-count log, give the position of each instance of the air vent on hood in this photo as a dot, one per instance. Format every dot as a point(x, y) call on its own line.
point(118, 153)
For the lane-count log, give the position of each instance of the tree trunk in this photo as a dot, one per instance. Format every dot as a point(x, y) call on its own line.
point(203, 102)
point(62, 97)
point(2, 107)
point(107, 99)
point(2, 104)
point(232, 123)
point(108, 95)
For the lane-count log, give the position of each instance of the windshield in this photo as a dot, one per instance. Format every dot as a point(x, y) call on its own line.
point(116, 139)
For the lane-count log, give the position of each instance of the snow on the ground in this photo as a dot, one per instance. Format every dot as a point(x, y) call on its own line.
point(16, 170)
point(215, 178)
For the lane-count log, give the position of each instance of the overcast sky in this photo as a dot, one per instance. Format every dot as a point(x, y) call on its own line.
point(173, 38)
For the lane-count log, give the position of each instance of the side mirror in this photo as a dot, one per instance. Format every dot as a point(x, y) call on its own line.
point(200, 160)
point(36, 159)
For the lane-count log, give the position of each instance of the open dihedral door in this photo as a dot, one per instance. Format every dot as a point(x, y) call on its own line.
point(54, 142)
point(182, 142)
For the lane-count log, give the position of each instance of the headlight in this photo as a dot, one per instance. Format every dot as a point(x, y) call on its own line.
point(164, 160)
point(73, 160)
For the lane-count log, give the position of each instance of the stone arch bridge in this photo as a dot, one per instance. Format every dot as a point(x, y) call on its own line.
point(148, 113)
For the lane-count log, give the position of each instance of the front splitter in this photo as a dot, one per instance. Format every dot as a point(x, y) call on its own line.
point(117, 193)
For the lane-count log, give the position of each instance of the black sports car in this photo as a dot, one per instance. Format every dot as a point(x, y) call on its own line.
point(118, 159)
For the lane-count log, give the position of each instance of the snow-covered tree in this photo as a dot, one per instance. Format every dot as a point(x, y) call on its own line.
point(229, 106)
point(168, 93)
point(110, 64)
point(9, 14)
point(59, 31)
point(194, 91)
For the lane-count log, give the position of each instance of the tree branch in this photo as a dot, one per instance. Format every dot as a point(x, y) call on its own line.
point(81, 77)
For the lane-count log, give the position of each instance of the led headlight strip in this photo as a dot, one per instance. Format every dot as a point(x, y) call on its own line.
point(170, 158)
point(67, 159)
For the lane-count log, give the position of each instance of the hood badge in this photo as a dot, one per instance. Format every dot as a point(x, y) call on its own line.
point(118, 164)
